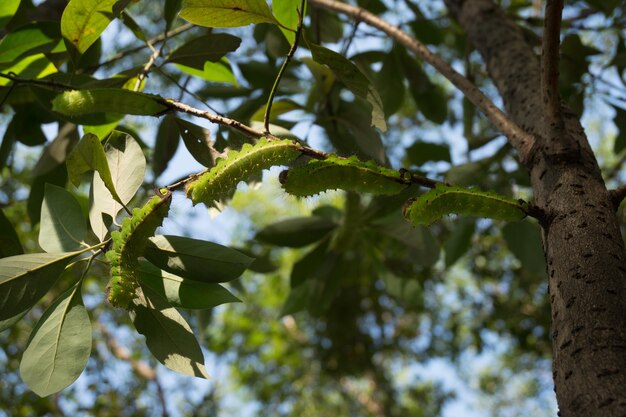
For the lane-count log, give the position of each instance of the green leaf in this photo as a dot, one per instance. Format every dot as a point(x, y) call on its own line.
point(57, 176)
point(278, 107)
point(194, 259)
point(89, 155)
point(30, 67)
point(443, 199)
point(170, 11)
point(24, 279)
point(63, 226)
point(408, 291)
point(107, 100)
point(459, 241)
point(168, 336)
point(181, 292)
point(226, 13)
point(286, 12)
point(216, 72)
point(211, 47)
point(127, 165)
point(421, 152)
point(419, 242)
point(198, 141)
point(7, 11)
point(8, 323)
point(166, 144)
point(296, 232)
point(59, 346)
point(9, 241)
point(56, 152)
point(31, 38)
point(83, 21)
point(524, 240)
point(620, 123)
point(350, 75)
point(309, 265)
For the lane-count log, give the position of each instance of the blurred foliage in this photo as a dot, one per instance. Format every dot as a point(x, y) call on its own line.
point(349, 324)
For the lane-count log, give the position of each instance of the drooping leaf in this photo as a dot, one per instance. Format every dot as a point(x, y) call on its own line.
point(459, 241)
point(181, 292)
point(59, 346)
point(168, 335)
point(443, 199)
point(63, 226)
point(211, 47)
point(350, 75)
point(307, 266)
point(524, 240)
point(107, 100)
point(9, 241)
point(296, 232)
point(127, 165)
point(24, 279)
point(83, 21)
point(226, 13)
point(198, 141)
point(170, 11)
point(166, 144)
point(194, 259)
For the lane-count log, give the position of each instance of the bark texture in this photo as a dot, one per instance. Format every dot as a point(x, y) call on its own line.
point(582, 242)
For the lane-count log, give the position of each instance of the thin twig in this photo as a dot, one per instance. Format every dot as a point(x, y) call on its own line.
point(520, 139)
point(553, 119)
point(283, 68)
point(154, 41)
point(146, 68)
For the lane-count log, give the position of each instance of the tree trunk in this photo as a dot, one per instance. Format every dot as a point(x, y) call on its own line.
point(583, 245)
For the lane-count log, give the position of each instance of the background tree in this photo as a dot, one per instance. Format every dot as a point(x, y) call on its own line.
point(373, 293)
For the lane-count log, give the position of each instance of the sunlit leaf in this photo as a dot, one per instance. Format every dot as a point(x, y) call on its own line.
point(107, 100)
point(127, 165)
point(226, 13)
point(63, 226)
point(7, 10)
point(31, 38)
point(59, 346)
point(83, 21)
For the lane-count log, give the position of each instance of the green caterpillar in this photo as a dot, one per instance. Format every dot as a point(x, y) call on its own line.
point(219, 181)
point(348, 174)
point(129, 243)
point(446, 199)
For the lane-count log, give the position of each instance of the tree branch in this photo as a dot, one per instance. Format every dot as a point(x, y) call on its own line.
point(553, 118)
point(521, 140)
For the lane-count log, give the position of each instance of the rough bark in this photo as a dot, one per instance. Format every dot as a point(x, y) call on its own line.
point(582, 241)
